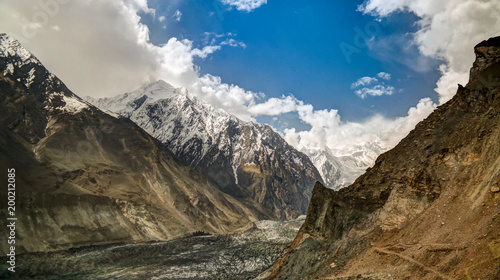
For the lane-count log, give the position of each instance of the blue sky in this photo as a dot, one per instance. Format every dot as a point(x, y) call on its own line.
point(230, 52)
point(294, 47)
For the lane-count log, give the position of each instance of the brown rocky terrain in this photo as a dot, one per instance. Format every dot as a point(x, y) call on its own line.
point(428, 209)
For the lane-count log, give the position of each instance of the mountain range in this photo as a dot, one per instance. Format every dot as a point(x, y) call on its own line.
point(169, 114)
point(247, 160)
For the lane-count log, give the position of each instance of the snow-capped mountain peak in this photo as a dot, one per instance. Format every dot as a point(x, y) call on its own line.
point(10, 47)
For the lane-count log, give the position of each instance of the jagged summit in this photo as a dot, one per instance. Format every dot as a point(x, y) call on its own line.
point(337, 168)
point(10, 47)
point(491, 42)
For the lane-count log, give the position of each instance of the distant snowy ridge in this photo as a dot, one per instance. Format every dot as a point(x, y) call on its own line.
point(340, 168)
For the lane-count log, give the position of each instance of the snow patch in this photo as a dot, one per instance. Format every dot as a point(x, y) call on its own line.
point(340, 168)
point(72, 104)
point(31, 78)
point(235, 169)
point(9, 69)
point(114, 115)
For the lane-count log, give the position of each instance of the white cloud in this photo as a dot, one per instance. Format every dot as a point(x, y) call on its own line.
point(102, 42)
point(162, 19)
point(203, 53)
point(364, 81)
point(245, 5)
point(224, 39)
point(231, 98)
point(383, 75)
point(177, 15)
point(328, 131)
point(448, 30)
point(276, 106)
point(233, 43)
point(377, 90)
point(372, 86)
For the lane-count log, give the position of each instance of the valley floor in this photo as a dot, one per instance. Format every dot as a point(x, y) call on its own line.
point(235, 256)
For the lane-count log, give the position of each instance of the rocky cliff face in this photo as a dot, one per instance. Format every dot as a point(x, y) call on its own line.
point(247, 160)
point(86, 177)
point(428, 209)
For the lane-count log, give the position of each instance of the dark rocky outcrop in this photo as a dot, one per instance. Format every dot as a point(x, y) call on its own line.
point(428, 209)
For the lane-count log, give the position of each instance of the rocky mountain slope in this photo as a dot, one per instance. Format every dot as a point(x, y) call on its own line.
point(428, 209)
point(247, 160)
point(86, 177)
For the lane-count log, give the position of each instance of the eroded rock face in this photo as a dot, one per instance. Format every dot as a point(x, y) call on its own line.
point(85, 177)
point(426, 210)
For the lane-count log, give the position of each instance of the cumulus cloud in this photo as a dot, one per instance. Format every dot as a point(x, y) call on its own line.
point(102, 42)
point(329, 131)
point(245, 5)
point(224, 39)
point(276, 106)
point(447, 30)
point(383, 75)
point(232, 98)
point(177, 15)
point(372, 86)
